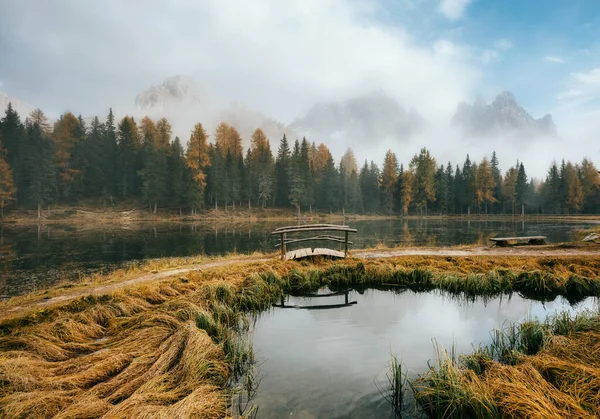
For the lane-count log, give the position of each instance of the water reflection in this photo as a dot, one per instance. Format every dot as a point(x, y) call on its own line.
point(38, 256)
point(323, 363)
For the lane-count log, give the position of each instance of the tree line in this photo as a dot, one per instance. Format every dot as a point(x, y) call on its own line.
point(68, 162)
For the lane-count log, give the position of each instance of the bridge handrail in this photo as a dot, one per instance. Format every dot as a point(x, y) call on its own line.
point(283, 231)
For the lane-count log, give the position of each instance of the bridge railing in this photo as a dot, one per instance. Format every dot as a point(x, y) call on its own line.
point(321, 228)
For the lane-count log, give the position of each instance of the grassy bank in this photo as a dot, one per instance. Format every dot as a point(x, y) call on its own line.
point(174, 347)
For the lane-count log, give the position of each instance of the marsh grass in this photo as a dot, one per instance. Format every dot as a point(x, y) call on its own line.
point(176, 347)
point(394, 389)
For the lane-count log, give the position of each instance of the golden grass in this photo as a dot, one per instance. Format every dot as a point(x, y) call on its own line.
point(163, 348)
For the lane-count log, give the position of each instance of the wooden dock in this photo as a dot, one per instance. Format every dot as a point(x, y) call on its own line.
point(512, 241)
point(313, 251)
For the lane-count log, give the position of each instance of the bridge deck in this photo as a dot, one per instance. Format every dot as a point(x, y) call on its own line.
point(317, 251)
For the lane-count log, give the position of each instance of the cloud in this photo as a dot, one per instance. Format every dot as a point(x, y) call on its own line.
point(591, 78)
point(503, 44)
point(280, 57)
point(554, 59)
point(569, 94)
point(453, 9)
point(489, 55)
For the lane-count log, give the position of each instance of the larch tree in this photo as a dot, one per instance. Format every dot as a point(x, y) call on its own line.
point(389, 177)
point(66, 135)
point(7, 184)
point(349, 161)
point(406, 190)
point(485, 185)
point(574, 189)
point(198, 160)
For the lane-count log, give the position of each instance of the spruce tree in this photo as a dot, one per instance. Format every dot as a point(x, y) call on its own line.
point(16, 146)
point(41, 188)
point(128, 150)
point(521, 188)
point(282, 174)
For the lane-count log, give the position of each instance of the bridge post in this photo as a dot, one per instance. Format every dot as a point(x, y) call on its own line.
point(283, 246)
point(346, 245)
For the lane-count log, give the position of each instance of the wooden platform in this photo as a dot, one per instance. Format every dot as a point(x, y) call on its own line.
point(309, 252)
point(511, 241)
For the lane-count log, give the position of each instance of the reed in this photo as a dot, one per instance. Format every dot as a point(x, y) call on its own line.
point(175, 347)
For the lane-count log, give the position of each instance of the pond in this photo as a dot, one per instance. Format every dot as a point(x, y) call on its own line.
point(35, 257)
point(325, 363)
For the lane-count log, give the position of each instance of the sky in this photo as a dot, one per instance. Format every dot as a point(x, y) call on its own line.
point(283, 56)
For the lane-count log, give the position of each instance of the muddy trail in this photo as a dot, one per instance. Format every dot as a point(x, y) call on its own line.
point(40, 302)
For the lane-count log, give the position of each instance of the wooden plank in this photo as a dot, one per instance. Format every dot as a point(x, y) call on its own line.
point(308, 252)
point(308, 226)
point(317, 238)
point(330, 228)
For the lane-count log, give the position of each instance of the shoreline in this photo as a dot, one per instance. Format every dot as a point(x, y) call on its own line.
point(129, 215)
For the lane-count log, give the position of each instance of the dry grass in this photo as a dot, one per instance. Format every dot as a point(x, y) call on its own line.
point(170, 348)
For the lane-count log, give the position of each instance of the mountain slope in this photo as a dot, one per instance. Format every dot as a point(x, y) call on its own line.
point(371, 117)
point(22, 108)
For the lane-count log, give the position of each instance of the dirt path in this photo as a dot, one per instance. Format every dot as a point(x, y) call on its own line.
point(548, 251)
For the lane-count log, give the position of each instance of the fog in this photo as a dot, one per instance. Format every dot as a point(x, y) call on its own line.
point(275, 60)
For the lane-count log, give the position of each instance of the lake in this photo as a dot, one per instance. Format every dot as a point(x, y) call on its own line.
point(326, 363)
point(35, 257)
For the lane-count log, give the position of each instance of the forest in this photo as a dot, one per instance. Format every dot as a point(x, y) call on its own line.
point(69, 162)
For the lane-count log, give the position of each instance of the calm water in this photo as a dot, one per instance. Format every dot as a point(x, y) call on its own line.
point(33, 257)
point(324, 363)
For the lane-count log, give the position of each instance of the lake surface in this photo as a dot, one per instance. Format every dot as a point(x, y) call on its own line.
point(324, 363)
point(34, 257)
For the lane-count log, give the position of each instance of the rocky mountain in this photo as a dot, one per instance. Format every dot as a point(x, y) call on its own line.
point(361, 119)
point(22, 108)
point(503, 116)
point(184, 103)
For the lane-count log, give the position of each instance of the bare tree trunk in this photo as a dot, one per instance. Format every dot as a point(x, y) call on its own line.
point(39, 211)
point(249, 208)
point(155, 207)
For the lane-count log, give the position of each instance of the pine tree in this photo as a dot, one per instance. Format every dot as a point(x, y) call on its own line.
point(441, 190)
point(7, 184)
point(424, 169)
point(330, 199)
point(467, 192)
point(128, 150)
point(180, 177)
point(93, 177)
point(154, 175)
point(521, 188)
point(553, 190)
point(297, 192)
point(449, 198)
point(109, 158)
point(41, 188)
point(497, 176)
point(282, 174)
point(355, 203)
point(198, 160)
point(369, 186)
point(388, 180)
point(260, 168)
point(306, 175)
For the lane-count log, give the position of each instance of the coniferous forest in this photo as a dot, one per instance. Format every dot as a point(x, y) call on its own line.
point(110, 161)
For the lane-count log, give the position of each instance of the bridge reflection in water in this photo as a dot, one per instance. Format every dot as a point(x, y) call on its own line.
point(346, 302)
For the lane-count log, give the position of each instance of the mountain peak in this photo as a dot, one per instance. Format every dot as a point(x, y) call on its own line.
point(176, 89)
point(504, 115)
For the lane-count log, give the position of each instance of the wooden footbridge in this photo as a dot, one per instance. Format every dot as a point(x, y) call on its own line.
point(320, 229)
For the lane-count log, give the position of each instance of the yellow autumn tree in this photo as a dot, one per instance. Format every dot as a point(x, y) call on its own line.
point(67, 132)
point(198, 160)
point(7, 183)
point(389, 177)
point(484, 184)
